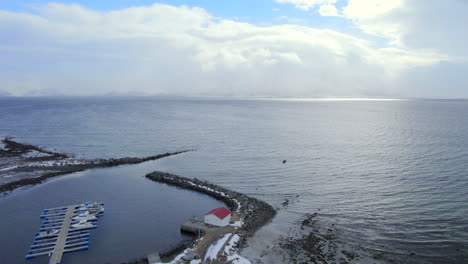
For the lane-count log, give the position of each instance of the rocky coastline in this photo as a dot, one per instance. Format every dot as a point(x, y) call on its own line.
point(254, 213)
point(251, 212)
point(38, 164)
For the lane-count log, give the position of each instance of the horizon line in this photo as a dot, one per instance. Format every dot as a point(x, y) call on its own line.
point(266, 98)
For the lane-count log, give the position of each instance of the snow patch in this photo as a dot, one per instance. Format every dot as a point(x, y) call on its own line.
point(179, 257)
point(207, 188)
point(231, 244)
point(213, 250)
point(35, 154)
point(56, 163)
point(237, 223)
point(238, 205)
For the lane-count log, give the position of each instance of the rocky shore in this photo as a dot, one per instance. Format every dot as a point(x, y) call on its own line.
point(34, 165)
point(252, 214)
point(13, 148)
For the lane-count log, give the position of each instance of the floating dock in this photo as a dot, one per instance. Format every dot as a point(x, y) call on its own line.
point(65, 229)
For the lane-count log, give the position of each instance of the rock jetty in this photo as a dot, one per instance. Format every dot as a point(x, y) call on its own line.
point(220, 246)
point(35, 165)
point(254, 213)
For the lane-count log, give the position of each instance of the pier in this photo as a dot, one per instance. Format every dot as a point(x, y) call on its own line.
point(197, 227)
point(65, 229)
point(62, 238)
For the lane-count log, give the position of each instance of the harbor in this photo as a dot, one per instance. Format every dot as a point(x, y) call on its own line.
point(65, 229)
point(117, 239)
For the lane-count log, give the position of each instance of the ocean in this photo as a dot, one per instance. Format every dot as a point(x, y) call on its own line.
point(390, 175)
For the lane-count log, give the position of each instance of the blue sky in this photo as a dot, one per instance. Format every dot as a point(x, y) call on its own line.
point(259, 12)
point(381, 48)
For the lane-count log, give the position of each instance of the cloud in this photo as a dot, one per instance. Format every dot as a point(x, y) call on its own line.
point(328, 10)
point(416, 24)
point(364, 9)
point(163, 49)
point(306, 4)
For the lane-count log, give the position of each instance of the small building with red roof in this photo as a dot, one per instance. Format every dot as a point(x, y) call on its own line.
point(218, 217)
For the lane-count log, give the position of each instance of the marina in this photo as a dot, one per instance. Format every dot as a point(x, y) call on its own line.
point(65, 229)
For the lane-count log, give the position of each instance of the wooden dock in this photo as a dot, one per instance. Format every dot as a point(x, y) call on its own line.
point(62, 237)
point(65, 229)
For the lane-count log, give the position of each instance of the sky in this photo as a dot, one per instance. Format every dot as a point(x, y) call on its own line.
point(261, 48)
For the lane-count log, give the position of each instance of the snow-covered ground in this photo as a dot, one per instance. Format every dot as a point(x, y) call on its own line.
point(35, 154)
point(66, 162)
point(226, 247)
point(213, 250)
point(237, 223)
point(230, 251)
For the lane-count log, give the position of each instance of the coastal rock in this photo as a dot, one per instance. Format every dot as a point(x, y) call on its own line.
point(255, 213)
point(35, 164)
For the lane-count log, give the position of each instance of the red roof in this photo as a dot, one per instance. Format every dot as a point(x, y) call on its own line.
point(220, 212)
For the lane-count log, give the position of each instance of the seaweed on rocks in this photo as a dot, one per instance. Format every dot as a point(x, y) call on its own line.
point(307, 244)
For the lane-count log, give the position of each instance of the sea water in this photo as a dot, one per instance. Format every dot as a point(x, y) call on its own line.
point(390, 175)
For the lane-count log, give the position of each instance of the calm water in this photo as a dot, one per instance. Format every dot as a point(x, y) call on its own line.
point(391, 175)
point(141, 217)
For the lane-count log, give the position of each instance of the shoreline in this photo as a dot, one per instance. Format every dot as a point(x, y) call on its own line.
point(221, 246)
point(48, 164)
point(251, 215)
point(71, 168)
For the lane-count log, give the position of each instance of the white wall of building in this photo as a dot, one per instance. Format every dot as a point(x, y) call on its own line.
point(214, 220)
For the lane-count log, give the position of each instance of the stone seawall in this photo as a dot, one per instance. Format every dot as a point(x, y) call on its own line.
point(254, 213)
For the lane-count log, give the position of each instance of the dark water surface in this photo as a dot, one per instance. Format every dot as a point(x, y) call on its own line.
point(392, 175)
point(141, 217)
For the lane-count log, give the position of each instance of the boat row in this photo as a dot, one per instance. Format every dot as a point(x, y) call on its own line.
point(75, 220)
point(80, 210)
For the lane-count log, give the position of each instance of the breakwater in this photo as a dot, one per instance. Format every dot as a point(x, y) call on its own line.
point(253, 212)
point(40, 164)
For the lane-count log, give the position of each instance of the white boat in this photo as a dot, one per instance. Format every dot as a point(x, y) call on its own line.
point(91, 207)
point(48, 233)
point(83, 225)
point(84, 211)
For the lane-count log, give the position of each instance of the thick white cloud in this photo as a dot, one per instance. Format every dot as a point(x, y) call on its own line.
point(422, 24)
point(328, 10)
point(162, 49)
point(365, 9)
point(306, 4)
